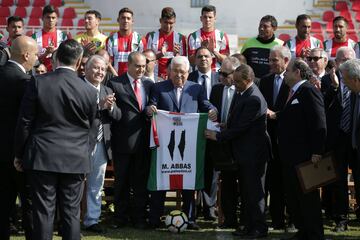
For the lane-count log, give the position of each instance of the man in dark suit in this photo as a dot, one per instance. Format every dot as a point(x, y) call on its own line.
point(95, 70)
point(275, 92)
point(221, 97)
point(337, 100)
point(206, 78)
point(52, 142)
point(129, 141)
point(13, 80)
point(177, 95)
point(246, 131)
point(301, 138)
point(204, 75)
point(350, 71)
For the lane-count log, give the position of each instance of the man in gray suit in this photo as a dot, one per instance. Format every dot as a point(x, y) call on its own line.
point(52, 142)
point(95, 71)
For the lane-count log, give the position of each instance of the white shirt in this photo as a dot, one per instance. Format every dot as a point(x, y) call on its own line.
point(19, 65)
point(297, 85)
point(66, 67)
point(223, 107)
point(208, 82)
point(141, 87)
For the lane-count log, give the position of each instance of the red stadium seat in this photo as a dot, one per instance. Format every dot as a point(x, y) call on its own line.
point(81, 22)
point(56, 3)
point(329, 27)
point(5, 12)
point(316, 27)
point(346, 14)
point(67, 22)
point(21, 12)
point(319, 36)
point(284, 36)
point(36, 12)
point(341, 6)
point(23, 3)
point(39, 3)
point(69, 13)
point(3, 21)
point(357, 17)
point(353, 36)
point(355, 6)
point(7, 3)
point(35, 22)
point(328, 16)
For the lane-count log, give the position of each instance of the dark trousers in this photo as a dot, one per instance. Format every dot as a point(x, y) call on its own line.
point(252, 182)
point(13, 183)
point(48, 188)
point(305, 207)
point(229, 196)
point(336, 194)
point(131, 175)
point(157, 201)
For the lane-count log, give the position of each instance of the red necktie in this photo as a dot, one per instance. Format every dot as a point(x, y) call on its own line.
point(291, 93)
point(137, 93)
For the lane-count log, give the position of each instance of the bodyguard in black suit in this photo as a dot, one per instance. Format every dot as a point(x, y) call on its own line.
point(221, 97)
point(206, 78)
point(13, 80)
point(129, 140)
point(337, 99)
point(301, 136)
point(275, 92)
point(246, 131)
point(52, 142)
point(350, 71)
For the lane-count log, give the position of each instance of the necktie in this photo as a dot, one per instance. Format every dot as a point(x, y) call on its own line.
point(276, 88)
point(178, 95)
point(291, 93)
point(204, 77)
point(100, 134)
point(226, 105)
point(346, 115)
point(138, 93)
point(355, 123)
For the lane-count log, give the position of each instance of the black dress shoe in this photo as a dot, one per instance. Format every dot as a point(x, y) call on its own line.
point(95, 228)
point(240, 232)
point(227, 226)
point(193, 226)
point(256, 234)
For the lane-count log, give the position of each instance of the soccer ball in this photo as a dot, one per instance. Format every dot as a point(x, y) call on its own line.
point(176, 221)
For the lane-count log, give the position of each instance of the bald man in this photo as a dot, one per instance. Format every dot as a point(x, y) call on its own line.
point(13, 78)
point(110, 72)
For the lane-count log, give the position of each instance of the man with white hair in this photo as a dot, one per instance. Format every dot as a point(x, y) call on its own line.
point(275, 92)
point(95, 70)
point(177, 95)
point(350, 71)
point(338, 119)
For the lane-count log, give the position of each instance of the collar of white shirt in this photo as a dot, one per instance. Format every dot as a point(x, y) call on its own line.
point(297, 85)
point(208, 74)
point(66, 67)
point(19, 65)
point(131, 80)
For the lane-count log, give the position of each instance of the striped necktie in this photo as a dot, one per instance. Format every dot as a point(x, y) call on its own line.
point(100, 134)
point(346, 112)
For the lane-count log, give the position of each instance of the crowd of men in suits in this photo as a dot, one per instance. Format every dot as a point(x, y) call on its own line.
point(276, 104)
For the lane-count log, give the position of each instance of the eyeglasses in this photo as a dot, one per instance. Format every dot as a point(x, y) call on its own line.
point(149, 61)
point(224, 74)
point(315, 59)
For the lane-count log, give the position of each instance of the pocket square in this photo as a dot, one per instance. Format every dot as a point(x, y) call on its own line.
point(295, 101)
